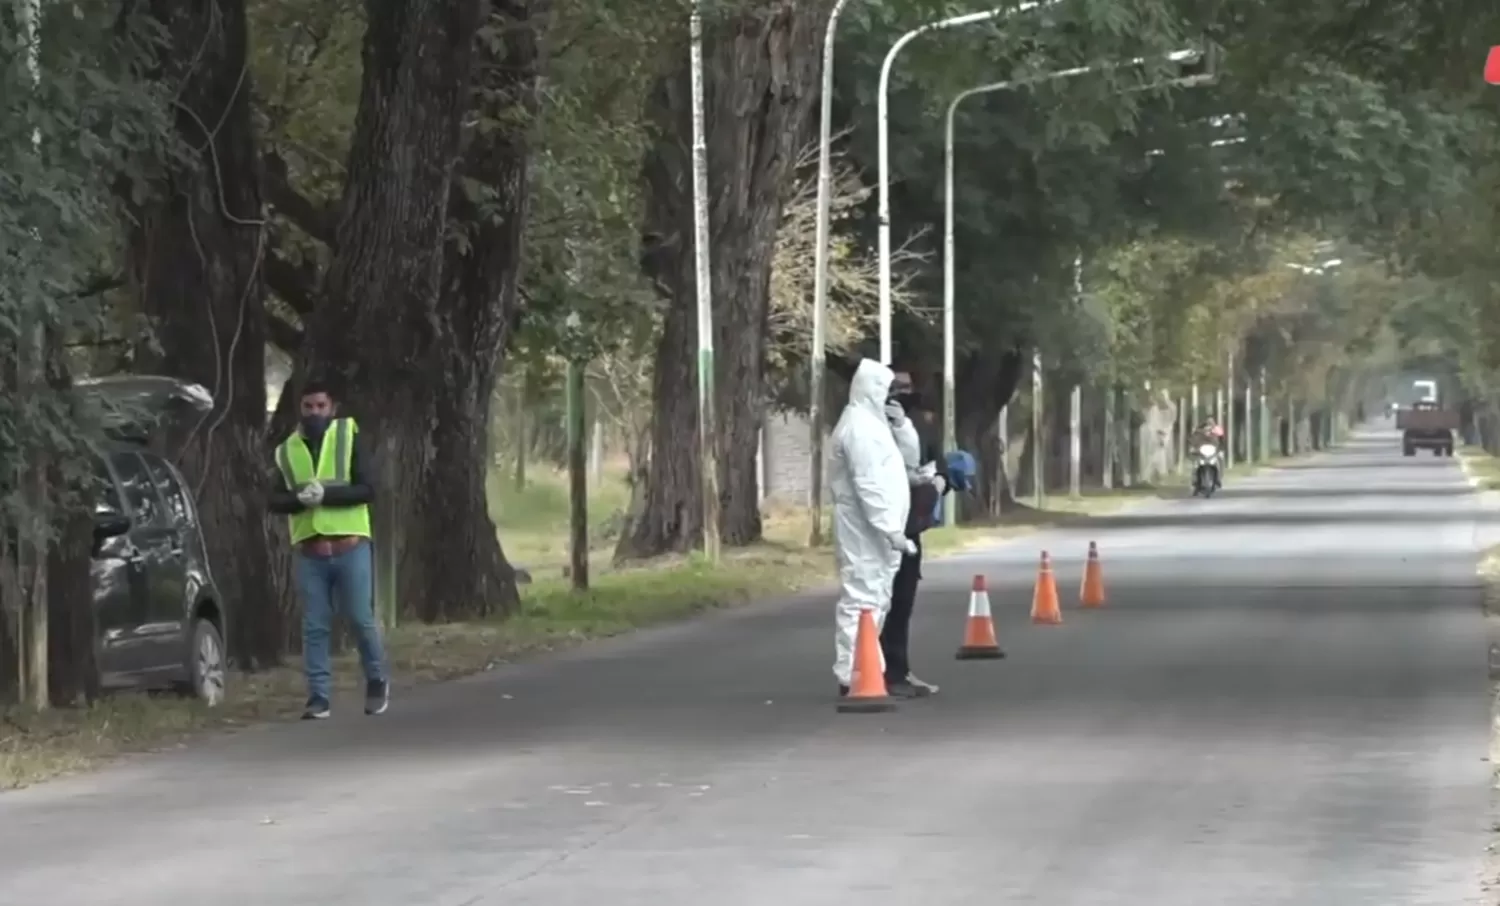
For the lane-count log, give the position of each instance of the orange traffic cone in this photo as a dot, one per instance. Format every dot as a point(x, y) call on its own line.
point(867, 692)
point(1044, 608)
point(979, 632)
point(1092, 593)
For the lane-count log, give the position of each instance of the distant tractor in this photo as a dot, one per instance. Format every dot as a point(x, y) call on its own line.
point(1427, 426)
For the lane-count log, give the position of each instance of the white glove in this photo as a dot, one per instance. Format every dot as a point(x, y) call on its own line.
point(927, 473)
point(909, 548)
point(895, 414)
point(940, 484)
point(899, 542)
point(311, 494)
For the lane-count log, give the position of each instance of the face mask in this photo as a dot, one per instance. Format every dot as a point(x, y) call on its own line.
point(314, 425)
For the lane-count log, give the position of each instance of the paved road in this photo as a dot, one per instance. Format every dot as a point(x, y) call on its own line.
point(1284, 703)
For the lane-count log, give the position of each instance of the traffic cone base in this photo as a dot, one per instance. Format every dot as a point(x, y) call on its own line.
point(1044, 608)
point(867, 692)
point(979, 654)
point(1092, 593)
point(979, 631)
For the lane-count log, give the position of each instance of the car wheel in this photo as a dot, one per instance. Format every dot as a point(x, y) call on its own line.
point(207, 666)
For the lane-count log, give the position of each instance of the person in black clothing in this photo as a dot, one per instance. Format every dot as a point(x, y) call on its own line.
point(929, 483)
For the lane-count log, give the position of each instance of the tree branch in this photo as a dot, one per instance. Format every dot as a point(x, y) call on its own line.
point(282, 334)
point(98, 286)
point(294, 284)
point(317, 220)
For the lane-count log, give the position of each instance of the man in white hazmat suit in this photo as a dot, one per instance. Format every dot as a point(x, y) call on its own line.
point(871, 500)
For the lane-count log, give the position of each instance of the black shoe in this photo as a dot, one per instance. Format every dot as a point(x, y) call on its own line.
point(377, 696)
point(843, 691)
point(903, 689)
point(317, 709)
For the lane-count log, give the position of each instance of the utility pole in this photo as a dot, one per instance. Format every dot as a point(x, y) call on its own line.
point(1075, 443)
point(1038, 443)
point(1265, 420)
point(820, 283)
point(1002, 472)
point(708, 459)
point(30, 375)
point(1228, 409)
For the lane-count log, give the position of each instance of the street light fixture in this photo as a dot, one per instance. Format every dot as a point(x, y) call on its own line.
point(883, 117)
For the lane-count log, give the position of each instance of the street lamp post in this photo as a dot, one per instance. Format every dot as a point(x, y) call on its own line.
point(883, 119)
point(820, 281)
point(708, 460)
point(949, 254)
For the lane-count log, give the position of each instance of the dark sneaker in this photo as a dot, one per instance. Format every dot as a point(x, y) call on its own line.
point(317, 709)
point(931, 689)
point(843, 690)
point(904, 689)
point(377, 696)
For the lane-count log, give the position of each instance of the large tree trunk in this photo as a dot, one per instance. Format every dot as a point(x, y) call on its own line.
point(72, 630)
point(196, 255)
point(377, 333)
point(478, 304)
point(760, 67)
point(989, 382)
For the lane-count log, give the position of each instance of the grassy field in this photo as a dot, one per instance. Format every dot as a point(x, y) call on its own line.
point(532, 525)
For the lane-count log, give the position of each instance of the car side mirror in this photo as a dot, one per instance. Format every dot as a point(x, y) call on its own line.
point(110, 525)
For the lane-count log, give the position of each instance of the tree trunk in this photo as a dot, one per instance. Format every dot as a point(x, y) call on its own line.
point(479, 303)
point(72, 630)
point(989, 382)
point(379, 335)
point(760, 69)
point(196, 255)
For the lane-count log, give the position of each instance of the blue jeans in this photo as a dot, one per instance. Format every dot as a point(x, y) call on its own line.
point(331, 584)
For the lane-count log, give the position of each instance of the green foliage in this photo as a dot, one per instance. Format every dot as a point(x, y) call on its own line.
point(71, 136)
point(583, 238)
point(1341, 126)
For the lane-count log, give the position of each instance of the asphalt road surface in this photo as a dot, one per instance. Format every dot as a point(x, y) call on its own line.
point(1284, 702)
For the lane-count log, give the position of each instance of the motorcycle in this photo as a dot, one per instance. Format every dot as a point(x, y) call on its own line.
point(1206, 471)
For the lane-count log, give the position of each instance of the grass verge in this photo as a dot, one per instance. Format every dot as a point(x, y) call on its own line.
point(1482, 469)
point(1489, 576)
point(35, 747)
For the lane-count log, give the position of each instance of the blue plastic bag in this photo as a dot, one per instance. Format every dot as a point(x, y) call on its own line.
point(962, 472)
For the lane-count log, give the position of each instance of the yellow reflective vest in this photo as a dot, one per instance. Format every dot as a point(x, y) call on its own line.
point(335, 457)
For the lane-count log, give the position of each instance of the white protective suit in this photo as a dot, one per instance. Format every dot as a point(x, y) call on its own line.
point(871, 499)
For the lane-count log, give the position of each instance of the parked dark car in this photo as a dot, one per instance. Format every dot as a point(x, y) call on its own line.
point(160, 616)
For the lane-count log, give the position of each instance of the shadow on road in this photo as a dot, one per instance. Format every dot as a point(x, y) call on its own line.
point(1385, 490)
point(1205, 514)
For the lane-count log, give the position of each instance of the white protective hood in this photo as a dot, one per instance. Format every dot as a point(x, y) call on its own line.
point(877, 469)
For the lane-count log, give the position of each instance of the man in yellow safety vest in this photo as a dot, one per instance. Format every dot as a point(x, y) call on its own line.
point(324, 484)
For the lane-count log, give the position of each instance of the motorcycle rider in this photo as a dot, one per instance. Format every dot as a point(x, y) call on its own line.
point(1211, 432)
